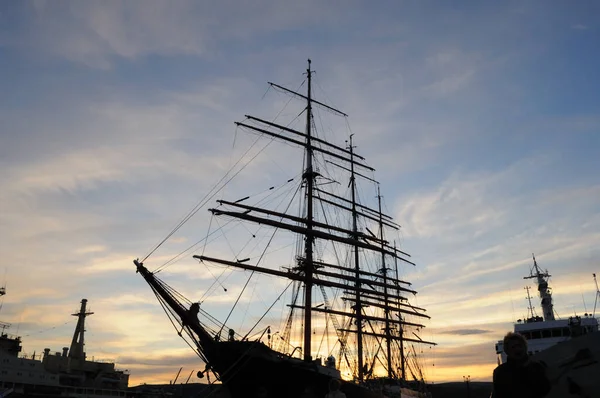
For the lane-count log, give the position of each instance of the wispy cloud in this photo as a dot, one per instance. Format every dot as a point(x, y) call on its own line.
point(466, 332)
point(482, 127)
point(580, 27)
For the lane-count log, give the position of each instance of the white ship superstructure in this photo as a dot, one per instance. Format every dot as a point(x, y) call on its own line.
point(546, 331)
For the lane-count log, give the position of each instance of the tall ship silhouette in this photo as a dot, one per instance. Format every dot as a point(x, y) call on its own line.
point(340, 273)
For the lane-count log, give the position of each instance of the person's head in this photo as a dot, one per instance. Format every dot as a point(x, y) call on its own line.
point(334, 385)
point(515, 346)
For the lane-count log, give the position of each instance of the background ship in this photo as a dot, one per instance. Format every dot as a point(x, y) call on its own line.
point(543, 332)
point(342, 275)
point(67, 373)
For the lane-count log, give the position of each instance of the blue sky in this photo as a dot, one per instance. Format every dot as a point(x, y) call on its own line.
point(481, 118)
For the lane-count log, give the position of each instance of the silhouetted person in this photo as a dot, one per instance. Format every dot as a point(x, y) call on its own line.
point(334, 389)
point(519, 377)
point(261, 392)
point(308, 392)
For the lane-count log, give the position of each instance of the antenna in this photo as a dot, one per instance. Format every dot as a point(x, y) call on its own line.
point(529, 299)
point(597, 295)
point(583, 298)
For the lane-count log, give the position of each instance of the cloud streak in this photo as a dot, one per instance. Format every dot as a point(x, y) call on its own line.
point(482, 125)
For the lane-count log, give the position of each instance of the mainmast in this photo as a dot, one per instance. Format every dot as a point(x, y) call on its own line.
point(358, 304)
point(308, 177)
point(544, 290)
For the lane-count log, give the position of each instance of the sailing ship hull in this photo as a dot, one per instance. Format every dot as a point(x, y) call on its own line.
point(247, 367)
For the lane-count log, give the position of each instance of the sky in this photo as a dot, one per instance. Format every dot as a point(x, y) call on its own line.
point(481, 118)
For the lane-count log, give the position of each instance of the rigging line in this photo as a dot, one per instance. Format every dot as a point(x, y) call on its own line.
point(210, 194)
point(169, 316)
point(287, 103)
point(177, 295)
point(252, 273)
point(266, 91)
point(214, 320)
point(187, 330)
point(262, 333)
point(173, 292)
point(276, 192)
point(259, 228)
point(227, 241)
point(268, 309)
point(47, 329)
point(211, 289)
point(178, 256)
point(208, 232)
point(323, 90)
point(297, 190)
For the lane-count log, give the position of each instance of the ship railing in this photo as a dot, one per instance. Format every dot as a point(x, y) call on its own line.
point(99, 392)
point(10, 336)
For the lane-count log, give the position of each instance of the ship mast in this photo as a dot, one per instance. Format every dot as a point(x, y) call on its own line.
point(543, 289)
point(77, 344)
point(308, 177)
point(401, 332)
point(386, 310)
point(358, 304)
point(529, 299)
point(597, 295)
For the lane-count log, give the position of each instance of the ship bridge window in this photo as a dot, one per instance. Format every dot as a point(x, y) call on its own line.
point(536, 334)
point(546, 333)
point(556, 332)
